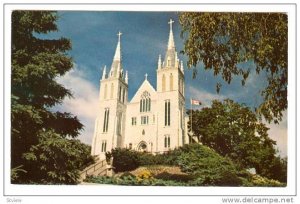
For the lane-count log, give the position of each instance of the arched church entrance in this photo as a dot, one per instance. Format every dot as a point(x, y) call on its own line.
point(142, 146)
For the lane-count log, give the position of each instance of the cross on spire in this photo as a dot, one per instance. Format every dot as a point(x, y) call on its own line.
point(119, 34)
point(171, 22)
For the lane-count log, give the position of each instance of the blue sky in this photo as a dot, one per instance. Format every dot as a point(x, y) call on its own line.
point(145, 36)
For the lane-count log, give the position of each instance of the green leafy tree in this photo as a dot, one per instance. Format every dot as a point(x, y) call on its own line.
point(43, 148)
point(226, 42)
point(234, 131)
point(208, 167)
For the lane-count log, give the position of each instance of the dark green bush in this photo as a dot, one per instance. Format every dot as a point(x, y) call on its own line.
point(207, 166)
point(124, 159)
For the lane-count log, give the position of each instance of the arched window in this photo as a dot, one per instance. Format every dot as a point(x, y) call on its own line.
point(111, 91)
point(171, 82)
point(105, 91)
point(163, 83)
point(145, 102)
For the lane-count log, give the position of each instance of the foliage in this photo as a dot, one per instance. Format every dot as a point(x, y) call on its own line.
point(234, 131)
point(227, 42)
point(257, 180)
point(133, 181)
point(208, 167)
point(124, 159)
point(41, 139)
point(146, 174)
point(108, 156)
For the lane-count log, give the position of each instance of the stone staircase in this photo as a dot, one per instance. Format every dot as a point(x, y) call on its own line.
point(100, 168)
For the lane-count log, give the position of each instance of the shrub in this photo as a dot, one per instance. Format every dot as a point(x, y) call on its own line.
point(207, 166)
point(125, 159)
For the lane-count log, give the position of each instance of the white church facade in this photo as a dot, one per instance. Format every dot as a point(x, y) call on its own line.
point(154, 119)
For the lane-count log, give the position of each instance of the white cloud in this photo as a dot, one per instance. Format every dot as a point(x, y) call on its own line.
point(278, 132)
point(84, 102)
point(204, 96)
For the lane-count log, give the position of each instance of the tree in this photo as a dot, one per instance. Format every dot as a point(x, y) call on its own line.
point(43, 148)
point(233, 131)
point(226, 42)
point(207, 166)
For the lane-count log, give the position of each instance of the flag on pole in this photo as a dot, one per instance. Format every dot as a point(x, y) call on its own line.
point(196, 102)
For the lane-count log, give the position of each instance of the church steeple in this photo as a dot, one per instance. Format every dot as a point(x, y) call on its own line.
point(116, 67)
point(171, 55)
point(171, 43)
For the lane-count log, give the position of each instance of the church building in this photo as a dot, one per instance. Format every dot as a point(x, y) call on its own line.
point(154, 119)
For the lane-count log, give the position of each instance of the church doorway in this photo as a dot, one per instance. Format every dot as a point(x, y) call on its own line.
point(142, 147)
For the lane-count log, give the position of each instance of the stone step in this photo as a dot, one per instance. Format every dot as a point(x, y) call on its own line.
point(99, 168)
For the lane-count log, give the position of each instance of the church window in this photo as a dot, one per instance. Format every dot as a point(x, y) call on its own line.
point(153, 118)
point(167, 112)
point(133, 121)
point(171, 82)
point(119, 124)
point(163, 83)
point(105, 91)
point(167, 141)
point(106, 118)
point(111, 91)
point(124, 92)
point(144, 120)
point(145, 102)
point(103, 147)
point(120, 93)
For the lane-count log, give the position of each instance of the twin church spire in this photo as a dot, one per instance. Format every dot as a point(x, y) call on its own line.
point(171, 58)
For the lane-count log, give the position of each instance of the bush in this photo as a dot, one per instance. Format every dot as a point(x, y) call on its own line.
point(207, 166)
point(124, 160)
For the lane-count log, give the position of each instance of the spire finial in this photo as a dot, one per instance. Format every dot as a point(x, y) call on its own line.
point(146, 76)
point(104, 73)
point(119, 35)
point(116, 67)
point(126, 77)
point(171, 43)
point(171, 22)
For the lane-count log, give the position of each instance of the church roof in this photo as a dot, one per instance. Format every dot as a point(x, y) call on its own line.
point(145, 86)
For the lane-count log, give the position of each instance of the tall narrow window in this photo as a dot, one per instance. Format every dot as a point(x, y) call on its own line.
point(105, 91)
point(120, 93)
point(171, 82)
point(141, 105)
point(167, 141)
point(106, 119)
point(163, 83)
point(167, 112)
point(119, 124)
point(111, 91)
point(103, 147)
point(104, 123)
point(124, 92)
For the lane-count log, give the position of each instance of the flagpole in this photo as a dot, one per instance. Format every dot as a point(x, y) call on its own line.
point(191, 121)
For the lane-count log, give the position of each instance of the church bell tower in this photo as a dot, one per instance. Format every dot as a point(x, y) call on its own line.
point(170, 90)
point(113, 97)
